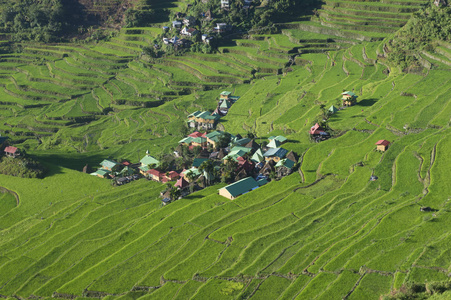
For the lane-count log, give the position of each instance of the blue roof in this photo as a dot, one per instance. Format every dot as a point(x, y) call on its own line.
point(279, 152)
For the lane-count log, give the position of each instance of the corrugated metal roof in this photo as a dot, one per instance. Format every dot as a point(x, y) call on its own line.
point(242, 186)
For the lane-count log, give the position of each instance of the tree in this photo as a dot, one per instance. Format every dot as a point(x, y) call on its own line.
point(224, 140)
point(208, 168)
point(191, 176)
point(174, 193)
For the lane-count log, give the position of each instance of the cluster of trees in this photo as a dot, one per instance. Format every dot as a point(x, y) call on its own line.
point(45, 20)
point(23, 167)
point(431, 290)
point(428, 24)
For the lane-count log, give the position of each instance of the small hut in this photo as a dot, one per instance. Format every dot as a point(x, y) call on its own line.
point(382, 145)
point(332, 110)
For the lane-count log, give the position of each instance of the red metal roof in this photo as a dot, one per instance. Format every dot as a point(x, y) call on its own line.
point(195, 134)
point(383, 142)
point(10, 149)
point(316, 129)
point(155, 172)
point(173, 175)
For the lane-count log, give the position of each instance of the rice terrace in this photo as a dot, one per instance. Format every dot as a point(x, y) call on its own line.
point(225, 149)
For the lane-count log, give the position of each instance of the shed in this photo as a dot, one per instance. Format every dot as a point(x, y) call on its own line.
point(109, 165)
point(332, 110)
point(12, 151)
point(382, 145)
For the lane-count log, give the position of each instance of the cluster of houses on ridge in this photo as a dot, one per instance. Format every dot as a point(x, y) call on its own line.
point(255, 164)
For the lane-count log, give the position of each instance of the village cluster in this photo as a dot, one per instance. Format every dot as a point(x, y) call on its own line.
point(186, 26)
point(215, 155)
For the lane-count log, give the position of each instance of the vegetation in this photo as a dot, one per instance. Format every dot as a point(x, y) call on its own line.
point(24, 167)
point(421, 33)
point(327, 231)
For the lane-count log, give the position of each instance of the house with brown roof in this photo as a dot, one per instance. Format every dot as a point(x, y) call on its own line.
point(382, 145)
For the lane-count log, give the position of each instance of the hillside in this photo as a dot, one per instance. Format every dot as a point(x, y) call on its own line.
point(324, 232)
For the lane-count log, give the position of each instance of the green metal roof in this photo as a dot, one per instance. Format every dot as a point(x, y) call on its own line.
point(288, 163)
point(258, 156)
point(350, 94)
point(102, 172)
point(200, 140)
point(273, 144)
point(242, 186)
point(214, 134)
point(226, 93)
point(198, 161)
point(194, 114)
point(278, 152)
point(240, 148)
point(148, 160)
point(333, 109)
point(225, 104)
point(108, 163)
point(281, 138)
point(186, 140)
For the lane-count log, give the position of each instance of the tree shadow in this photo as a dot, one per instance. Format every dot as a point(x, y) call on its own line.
point(75, 162)
point(367, 102)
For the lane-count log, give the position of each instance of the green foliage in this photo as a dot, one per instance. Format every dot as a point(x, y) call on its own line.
point(24, 167)
point(425, 26)
point(35, 20)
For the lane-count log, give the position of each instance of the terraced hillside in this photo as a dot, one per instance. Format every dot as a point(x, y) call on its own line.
point(325, 232)
point(362, 20)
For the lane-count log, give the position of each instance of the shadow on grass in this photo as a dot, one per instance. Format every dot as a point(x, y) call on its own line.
point(76, 162)
point(367, 102)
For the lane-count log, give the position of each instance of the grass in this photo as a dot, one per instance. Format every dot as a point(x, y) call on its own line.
point(294, 238)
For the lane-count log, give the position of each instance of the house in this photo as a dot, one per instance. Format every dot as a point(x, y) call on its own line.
point(189, 31)
point(273, 144)
point(258, 156)
point(316, 129)
point(11, 151)
point(206, 39)
point(171, 175)
point(281, 139)
point(154, 174)
point(332, 110)
point(203, 120)
point(275, 154)
point(176, 24)
point(109, 165)
point(165, 28)
point(224, 106)
point(221, 27)
point(245, 165)
point(218, 155)
point(349, 98)
point(382, 145)
point(181, 184)
point(241, 142)
point(213, 137)
point(102, 173)
point(189, 21)
point(284, 167)
point(225, 95)
point(239, 188)
point(252, 145)
point(225, 4)
point(146, 161)
point(267, 168)
point(199, 142)
point(194, 170)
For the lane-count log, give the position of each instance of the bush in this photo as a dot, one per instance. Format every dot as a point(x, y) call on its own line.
point(21, 167)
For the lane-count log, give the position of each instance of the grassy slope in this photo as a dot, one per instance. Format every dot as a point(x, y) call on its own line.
point(75, 234)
